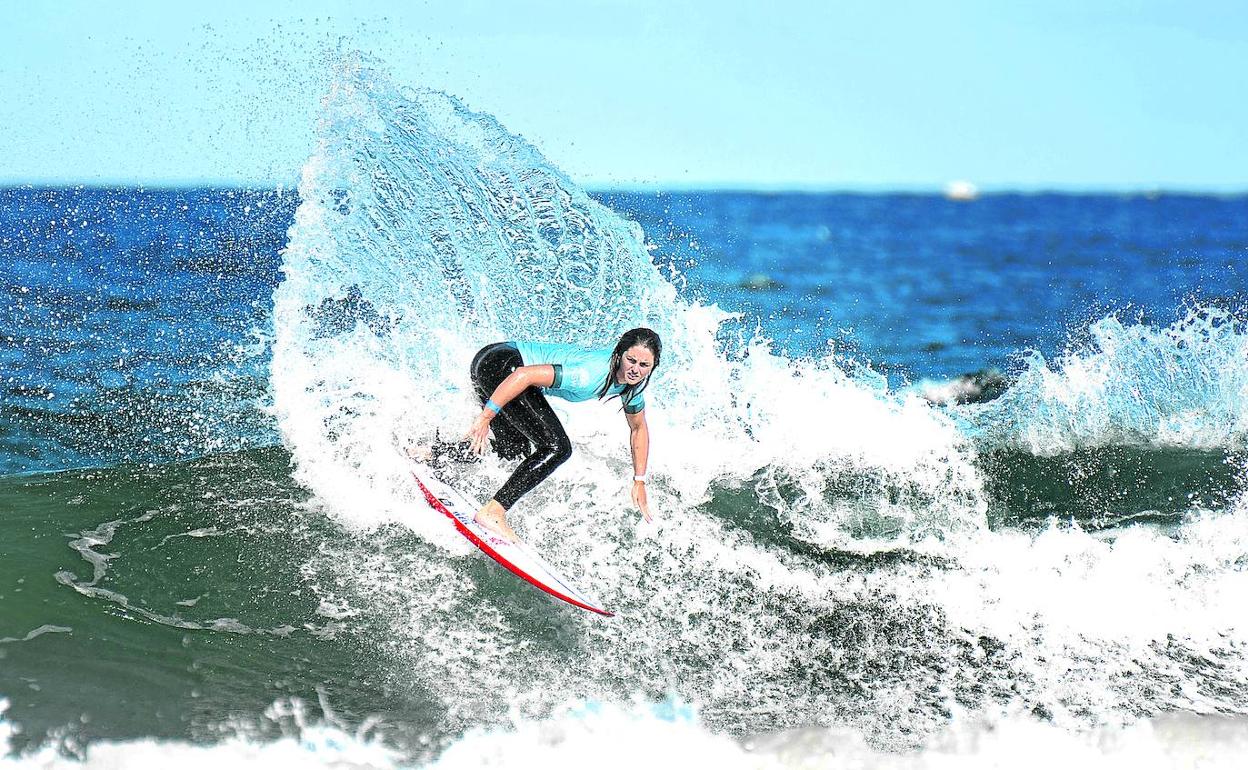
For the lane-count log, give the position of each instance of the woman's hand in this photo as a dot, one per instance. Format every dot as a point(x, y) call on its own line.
point(479, 432)
point(639, 500)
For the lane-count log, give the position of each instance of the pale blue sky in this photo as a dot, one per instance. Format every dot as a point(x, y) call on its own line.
point(1076, 94)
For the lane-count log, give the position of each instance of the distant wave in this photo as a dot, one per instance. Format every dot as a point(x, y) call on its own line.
point(1184, 385)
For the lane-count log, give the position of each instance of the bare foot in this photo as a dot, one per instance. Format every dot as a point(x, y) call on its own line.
point(494, 518)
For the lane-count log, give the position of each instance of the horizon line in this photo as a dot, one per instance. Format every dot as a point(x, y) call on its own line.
point(683, 188)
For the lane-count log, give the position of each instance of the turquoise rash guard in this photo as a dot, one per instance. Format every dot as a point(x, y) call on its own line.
point(579, 373)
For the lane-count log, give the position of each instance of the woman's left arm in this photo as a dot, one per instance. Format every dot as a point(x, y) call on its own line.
point(639, 443)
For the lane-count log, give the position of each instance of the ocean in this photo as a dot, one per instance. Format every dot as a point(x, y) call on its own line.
point(936, 480)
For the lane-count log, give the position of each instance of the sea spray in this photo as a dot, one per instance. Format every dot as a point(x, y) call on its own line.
point(821, 565)
point(428, 230)
point(822, 554)
point(1183, 385)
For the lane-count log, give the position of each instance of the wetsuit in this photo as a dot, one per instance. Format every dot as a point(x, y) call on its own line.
point(527, 426)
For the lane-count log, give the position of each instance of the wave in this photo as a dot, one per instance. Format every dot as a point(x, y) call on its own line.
point(427, 230)
point(1184, 385)
point(670, 734)
point(1110, 486)
point(824, 553)
point(728, 607)
point(834, 560)
point(305, 743)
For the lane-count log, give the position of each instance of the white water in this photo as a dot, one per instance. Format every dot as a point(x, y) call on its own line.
point(1185, 385)
point(671, 736)
point(427, 230)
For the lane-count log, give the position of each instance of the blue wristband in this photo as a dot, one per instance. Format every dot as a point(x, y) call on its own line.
point(493, 406)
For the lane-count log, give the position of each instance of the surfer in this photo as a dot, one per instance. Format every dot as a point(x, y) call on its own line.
point(512, 380)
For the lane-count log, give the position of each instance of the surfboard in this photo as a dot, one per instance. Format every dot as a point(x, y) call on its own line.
point(516, 557)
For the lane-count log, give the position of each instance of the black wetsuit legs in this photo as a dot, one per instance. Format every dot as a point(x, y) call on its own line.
point(526, 427)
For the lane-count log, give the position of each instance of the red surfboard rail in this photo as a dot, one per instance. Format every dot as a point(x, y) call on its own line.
point(473, 538)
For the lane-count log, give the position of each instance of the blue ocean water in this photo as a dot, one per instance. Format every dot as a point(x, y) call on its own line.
point(934, 288)
point(131, 322)
point(211, 543)
point(136, 322)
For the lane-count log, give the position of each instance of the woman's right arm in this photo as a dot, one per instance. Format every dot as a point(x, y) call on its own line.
point(523, 378)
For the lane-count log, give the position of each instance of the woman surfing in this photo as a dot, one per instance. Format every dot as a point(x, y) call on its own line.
point(512, 380)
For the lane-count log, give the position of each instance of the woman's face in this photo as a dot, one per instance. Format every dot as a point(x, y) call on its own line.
point(635, 365)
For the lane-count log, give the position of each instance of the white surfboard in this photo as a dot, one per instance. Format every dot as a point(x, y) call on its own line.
point(516, 557)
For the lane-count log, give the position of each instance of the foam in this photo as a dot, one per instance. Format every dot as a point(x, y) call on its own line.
point(455, 233)
point(1183, 385)
point(618, 738)
point(671, 735)
point(861, 587)
point(313, 744)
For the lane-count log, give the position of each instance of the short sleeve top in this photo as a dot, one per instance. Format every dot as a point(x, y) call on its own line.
point(579, 373)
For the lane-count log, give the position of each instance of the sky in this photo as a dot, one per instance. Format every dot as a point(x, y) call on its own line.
point(1066, 94)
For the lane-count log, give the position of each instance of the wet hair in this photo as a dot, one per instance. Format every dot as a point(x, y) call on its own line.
point(633, 337)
